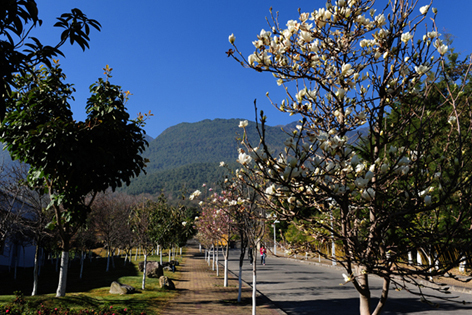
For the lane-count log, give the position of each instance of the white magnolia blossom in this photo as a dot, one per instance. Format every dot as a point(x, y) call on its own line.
point(355, 160)
point(424, 9)
point(368, 194)
point(406, 37)
point(361, 182)
point(243, 123)
point(346, 278)
point(442, 49)
point(360, 168)
point(452, 120)
point(270, 190)
point(244, 158)
point(422, 69)
point(380, 19)
point(384, 168)
point(195, 194)
point(231, 39)
point(346, 70)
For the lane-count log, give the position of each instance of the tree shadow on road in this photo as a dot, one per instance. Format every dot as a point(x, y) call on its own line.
point(351, 306)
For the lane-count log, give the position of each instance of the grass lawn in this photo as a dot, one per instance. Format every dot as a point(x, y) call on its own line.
point(92, 291)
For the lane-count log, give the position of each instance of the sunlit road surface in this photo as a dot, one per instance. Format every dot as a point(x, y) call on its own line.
point(302, 288)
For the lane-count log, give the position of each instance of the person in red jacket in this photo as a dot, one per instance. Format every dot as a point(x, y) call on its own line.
point(263, 254)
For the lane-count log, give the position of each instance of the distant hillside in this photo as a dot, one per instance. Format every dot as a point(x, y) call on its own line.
point(183, 179)
point(204, 141)
point(187, 155)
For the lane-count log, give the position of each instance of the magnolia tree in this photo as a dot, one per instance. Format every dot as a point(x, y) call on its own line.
point(249, 217)
point(234, 210)
point(214, 223)
point(373, 164)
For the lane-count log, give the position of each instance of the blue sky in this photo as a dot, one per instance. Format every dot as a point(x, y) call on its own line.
point(171, 54)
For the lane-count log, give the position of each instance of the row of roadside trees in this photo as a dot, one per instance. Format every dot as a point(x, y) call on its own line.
point(119, 223)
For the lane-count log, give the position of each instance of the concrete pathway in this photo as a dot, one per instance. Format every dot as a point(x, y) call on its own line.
point(201, 292)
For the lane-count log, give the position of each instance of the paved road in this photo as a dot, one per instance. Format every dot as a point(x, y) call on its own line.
point(302, 288)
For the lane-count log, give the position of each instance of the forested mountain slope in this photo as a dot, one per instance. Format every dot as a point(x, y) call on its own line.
point(188, 154)
point(204, 141)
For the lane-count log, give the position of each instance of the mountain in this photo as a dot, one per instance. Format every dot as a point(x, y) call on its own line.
point(204, 141)
point(187, 155)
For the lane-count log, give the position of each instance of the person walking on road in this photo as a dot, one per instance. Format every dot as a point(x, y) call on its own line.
point(263, 254)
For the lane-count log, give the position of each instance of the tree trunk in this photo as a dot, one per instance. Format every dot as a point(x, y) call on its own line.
point(82, 257)
point(241, 261)
point(41, 261)
point(35, 271)
point(57, 263)
point(160, 253)
point(144, 271)
point(383, 297)
point(61, 287)
point(254, 285)
point(240, 283)
point(225, 283)
point(213, 265)
point(217, 256)
point(364, 293)
point(225, 254)
point(113, 259)
point(108, 260)
point(15, 267)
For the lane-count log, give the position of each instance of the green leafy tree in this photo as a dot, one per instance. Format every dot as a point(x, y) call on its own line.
point(158, 223)
point(140, 222)
point(18, 51)
point(171, 225)
point(73, 160)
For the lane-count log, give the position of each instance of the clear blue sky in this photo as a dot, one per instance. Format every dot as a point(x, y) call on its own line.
point(171, 54)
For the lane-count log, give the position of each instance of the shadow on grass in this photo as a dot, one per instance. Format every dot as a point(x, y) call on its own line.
point(94, 276)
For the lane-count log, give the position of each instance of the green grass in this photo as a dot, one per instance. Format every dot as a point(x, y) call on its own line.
point(92, 291)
